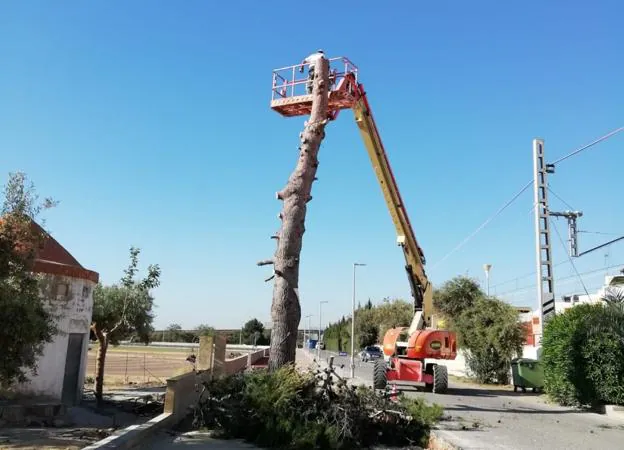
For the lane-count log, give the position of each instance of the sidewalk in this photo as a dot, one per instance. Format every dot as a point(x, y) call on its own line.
point(305, 359)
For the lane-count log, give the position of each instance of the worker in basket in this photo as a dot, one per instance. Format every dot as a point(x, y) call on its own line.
point(311, 61)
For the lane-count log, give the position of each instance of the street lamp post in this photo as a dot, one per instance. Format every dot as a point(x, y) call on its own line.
point(308, 330)
point(353, 322)
point(318, 342)
point(487, 268)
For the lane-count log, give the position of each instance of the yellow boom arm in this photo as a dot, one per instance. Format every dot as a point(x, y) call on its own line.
point(414, 257)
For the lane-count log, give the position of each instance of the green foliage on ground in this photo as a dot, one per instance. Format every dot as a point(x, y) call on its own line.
point(296, 410)
point(488, 329)
point(583, 355)
point(27, 318)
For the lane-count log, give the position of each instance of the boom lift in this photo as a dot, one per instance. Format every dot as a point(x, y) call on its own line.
point(405, 349)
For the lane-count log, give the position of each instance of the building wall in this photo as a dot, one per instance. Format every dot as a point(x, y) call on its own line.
point(71, 300)
point(458, 366)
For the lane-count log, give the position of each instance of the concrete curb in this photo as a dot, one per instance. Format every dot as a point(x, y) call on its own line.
point(134, 435)
point(614, 412)
point(442, 440)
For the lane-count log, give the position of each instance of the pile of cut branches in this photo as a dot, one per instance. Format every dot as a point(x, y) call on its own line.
point(291, 409)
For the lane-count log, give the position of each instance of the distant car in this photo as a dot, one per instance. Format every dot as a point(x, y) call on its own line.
point(370, 353)
point(320, 345)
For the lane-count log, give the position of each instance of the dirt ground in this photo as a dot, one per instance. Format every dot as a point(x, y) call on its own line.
point(48, 439)
point(143, 365)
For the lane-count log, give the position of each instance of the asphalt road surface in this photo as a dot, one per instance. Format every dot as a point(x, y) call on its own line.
point(497, 418)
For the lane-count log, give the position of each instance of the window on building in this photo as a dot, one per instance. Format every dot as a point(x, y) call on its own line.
point(62, 291)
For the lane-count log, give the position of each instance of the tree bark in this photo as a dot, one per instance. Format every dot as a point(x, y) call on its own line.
point(285, 309)
point(100, 361)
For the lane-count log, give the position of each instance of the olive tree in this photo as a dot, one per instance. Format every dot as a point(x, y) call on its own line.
point(121, 310)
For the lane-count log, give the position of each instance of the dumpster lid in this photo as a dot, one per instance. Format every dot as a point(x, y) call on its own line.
point(524, 361)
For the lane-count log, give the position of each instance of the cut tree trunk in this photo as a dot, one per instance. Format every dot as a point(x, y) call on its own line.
point(285, 309)
point(100, 360)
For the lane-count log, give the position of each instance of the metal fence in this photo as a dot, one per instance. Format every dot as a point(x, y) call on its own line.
point(136, 366)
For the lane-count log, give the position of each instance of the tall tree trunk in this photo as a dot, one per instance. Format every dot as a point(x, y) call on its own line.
point(100, 360)
point(285, 309)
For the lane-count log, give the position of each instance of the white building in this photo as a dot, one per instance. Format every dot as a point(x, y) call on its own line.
point(612, 284)
point(68, 287)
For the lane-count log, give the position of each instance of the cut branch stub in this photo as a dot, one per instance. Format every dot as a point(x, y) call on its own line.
point(265, 262)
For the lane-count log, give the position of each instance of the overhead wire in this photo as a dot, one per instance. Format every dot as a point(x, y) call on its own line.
point(484, 224)
point(559, 280)
point(599, 232)
point(587, 146)
point(560, 199)
point(527, 275)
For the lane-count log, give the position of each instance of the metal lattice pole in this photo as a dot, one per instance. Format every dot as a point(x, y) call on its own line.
point(545, 281)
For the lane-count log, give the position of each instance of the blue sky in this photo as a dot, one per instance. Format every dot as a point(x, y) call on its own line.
point(150, 122)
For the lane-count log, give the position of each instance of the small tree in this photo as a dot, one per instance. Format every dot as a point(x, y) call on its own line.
point(366, 328)
point(488, 329)
point(174, 332)
point(253, 331)
point(26, 322)
point(204, 330)
point(393, 313)
point(456, 295)
point(120, 310)
point(491, 334)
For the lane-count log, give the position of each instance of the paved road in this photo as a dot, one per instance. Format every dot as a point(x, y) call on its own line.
point(494, 418)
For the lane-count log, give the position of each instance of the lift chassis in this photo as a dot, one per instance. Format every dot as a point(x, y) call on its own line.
point(406, 349)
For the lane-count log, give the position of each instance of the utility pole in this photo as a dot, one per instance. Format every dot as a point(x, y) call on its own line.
point(318, 342)
point(545, 280)
point(353, 322)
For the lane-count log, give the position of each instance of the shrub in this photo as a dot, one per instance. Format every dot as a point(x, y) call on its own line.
point(491, 335)
point(583, 356)
point(306, 410)
point(456, 295)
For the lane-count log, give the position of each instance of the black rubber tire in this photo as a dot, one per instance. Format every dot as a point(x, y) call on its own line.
point(429, 370)
point(380, 379)
point(440, 379)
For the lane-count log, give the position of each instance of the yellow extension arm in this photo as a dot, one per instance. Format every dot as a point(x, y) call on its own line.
point(414, 257)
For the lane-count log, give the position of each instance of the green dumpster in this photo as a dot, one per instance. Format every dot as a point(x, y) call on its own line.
point(527, 373)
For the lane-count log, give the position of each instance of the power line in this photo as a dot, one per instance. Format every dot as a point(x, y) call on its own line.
point(483, 225)
point(560, 199)
point(591, 144)
point(559, 280)
point(525, 275)
point(599, 232)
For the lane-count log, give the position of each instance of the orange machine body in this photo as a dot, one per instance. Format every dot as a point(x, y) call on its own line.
point(422, 344)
